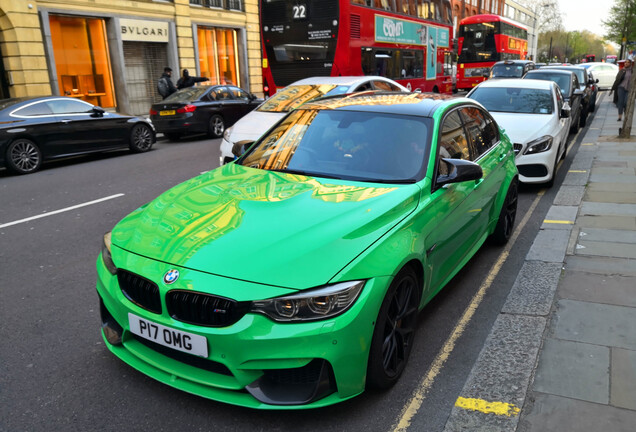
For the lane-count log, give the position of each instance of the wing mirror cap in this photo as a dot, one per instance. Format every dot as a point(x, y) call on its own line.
point(459, 170)
point(565, 111)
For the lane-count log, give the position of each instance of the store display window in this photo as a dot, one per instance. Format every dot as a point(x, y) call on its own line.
point(81, 56)
point(218, 55)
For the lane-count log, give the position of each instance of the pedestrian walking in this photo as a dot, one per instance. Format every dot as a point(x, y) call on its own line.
point(187, 80)
point(621, 87)
point(165, 86)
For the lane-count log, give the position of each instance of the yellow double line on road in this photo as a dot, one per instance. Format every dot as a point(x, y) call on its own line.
point(414, 404)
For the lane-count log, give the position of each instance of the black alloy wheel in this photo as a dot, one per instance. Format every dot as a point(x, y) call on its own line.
point(216, 126)
point(506, 222)
point(394, 330)
point(140, 138)
point(23, 156)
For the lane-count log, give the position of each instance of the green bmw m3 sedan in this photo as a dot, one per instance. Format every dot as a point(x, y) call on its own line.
point(292, 277)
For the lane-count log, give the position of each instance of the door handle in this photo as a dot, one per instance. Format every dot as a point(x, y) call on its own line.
point(66, 121)
point(502, 156)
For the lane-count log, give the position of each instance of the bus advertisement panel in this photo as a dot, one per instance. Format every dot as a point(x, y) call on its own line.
point(484, 40)
point(304, 38)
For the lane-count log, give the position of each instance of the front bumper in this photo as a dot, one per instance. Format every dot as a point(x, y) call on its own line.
point(536, 168)
point(256, 362)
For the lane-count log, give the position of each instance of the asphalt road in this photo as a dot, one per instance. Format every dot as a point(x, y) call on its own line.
point(56, 373)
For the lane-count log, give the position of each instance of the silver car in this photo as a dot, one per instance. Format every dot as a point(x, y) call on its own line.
point(605, 73)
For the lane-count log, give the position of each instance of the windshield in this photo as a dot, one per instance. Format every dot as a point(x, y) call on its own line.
point(479, 42)
point(580, 73)
point(291, 97)
point(503, 70)
point(186, 95)
point(515, 100)
point(561, 79)
point(351, 145)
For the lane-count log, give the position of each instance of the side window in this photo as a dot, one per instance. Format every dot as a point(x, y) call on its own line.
point(239, 94)
point(482, 130)
point(222, 93)
point(575, 82)
point(454, 143)
point(559, 97)
point(36, 109)
point(382, 85)
point(475, 125)
point(68, 106)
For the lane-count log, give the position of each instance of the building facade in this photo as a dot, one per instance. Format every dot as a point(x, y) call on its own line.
point(527, 17)
point(111, 53)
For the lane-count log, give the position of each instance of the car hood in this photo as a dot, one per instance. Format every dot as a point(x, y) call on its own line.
point(253, 125)
point(523, 128)
point(267, 227)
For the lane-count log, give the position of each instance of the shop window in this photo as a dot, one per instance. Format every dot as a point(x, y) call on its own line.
point(81, 57)
point(218, 55)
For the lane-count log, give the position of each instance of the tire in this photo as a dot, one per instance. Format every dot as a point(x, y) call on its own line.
point(394, 331)
point(216, 126)
point(140, 138)
point(506, 222)
point(23, 156)
point(172, 136)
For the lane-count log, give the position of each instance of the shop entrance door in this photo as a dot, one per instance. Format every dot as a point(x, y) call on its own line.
point(144, 65)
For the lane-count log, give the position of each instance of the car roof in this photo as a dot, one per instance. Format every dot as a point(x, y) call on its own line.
point(340, 80)
point(514, 62)
point(547, 69)
point(420, 104)
point(519, 83)
point(569, 67)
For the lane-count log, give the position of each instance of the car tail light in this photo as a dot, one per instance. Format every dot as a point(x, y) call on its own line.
point(153, 112)
point(186, 109)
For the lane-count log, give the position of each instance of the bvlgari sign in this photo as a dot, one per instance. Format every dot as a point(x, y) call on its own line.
point(143, 31)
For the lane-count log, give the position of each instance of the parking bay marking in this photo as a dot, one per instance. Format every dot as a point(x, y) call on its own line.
point(414, 404)
point(61, 210)
point(487, 407)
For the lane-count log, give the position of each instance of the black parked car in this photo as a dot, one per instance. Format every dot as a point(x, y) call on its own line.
point(202, 109)
point(36, 129)
point(572, 93)
point(511, 68)
point(587, 84)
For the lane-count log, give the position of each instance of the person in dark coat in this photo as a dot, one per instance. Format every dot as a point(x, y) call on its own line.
point(165, 86)
point(621, 87)
point(188, 81)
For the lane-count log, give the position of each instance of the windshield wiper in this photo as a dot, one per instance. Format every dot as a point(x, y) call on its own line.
point(306, 173)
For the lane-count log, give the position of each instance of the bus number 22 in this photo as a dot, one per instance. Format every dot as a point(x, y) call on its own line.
point(300, 11)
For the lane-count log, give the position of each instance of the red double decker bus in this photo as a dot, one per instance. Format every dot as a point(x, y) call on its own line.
point(484, 40)
point(405, 40)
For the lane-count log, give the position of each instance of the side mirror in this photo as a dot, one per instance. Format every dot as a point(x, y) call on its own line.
point(565, 111)
point(252, 97)
point(596, 80)
point(241, 147)
point(97, 112)
point(459, 170)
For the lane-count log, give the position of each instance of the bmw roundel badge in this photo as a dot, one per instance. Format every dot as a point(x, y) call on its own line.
point(171, 276)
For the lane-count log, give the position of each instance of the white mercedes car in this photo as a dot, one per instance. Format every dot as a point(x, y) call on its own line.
point(535, 117)
point(250, 127)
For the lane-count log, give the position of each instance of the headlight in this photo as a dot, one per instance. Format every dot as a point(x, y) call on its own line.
point(539, 145)
point(106, 257)
point(226, 134)
point(318, 304)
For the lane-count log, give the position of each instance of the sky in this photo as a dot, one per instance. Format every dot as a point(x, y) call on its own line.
point(585, 14)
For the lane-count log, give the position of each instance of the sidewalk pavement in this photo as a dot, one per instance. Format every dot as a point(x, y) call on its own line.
point(562, 353)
